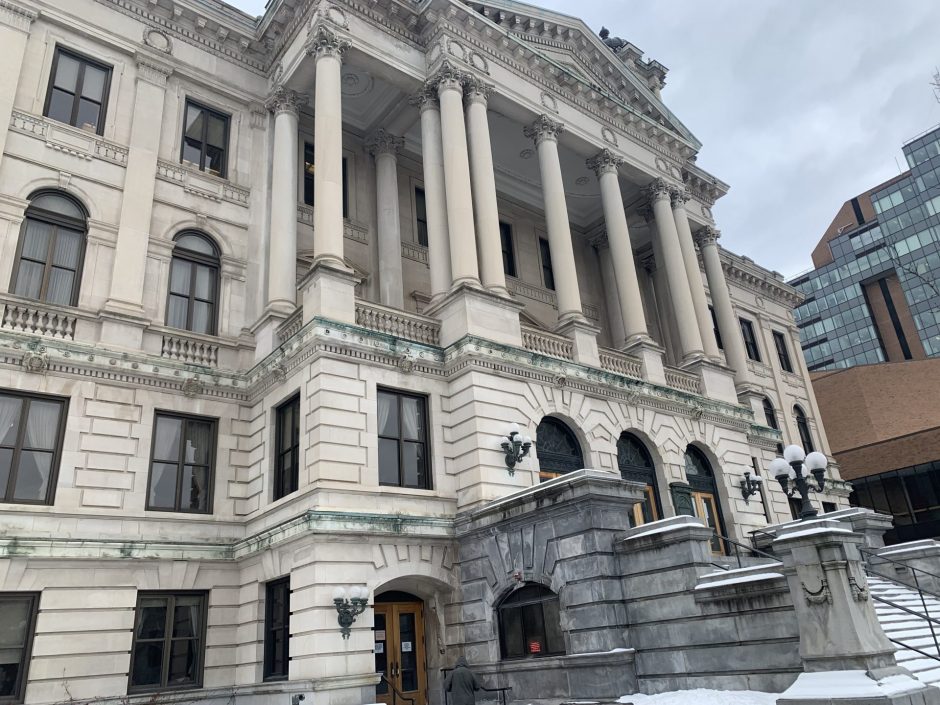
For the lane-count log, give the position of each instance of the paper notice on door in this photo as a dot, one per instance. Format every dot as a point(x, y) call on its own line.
point(380, 635)
point(406, 646)
point(380, 647)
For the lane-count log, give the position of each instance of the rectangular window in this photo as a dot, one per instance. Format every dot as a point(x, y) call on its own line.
point(750, 341)
point(711, 310)
point(205, 139)
point(421, 217)
point(31, 431)
point(509, 252)
point(548, 274)
point(403, 440)
point(277, 629)
point(17, 624)
point(783, 353)
point(309, 173)
point(182, 464)
point(169, 641)
point(78, 91)
point(287, 448)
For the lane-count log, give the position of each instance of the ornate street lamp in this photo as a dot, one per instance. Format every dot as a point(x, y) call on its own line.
point(516, 447)
point(348, 609)
point(750, 485)
point(791, 468)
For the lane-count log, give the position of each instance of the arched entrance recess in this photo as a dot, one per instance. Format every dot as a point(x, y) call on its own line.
point(558, 449)
point(707, 505)
point(400, 647)
point(636, 464)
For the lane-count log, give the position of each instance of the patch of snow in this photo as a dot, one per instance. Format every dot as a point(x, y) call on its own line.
point(814, 531)
point(732, 571)
point(660, 530)
point(849, 684)
point(740, 579)
point(701, 696)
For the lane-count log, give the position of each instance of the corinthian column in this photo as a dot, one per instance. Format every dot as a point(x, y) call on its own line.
point(728, 325)
point(463, 253)
point(605, 165)
point(485, 210)
point(385, 148)
point(544, 131)
point(693, 272)
point(435, 201)
point(690, 340)
point(282, 253)
point(328, 50)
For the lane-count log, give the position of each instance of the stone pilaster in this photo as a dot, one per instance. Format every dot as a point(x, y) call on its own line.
point(385, 147)
point(15, 23)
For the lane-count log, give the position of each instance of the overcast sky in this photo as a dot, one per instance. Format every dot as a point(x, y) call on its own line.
point(800, 104)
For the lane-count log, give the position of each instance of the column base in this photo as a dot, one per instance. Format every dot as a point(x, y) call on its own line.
point(329, 291)
point(122, 326)
point(889, 686)
point(469, 310)
point(583, 335)
point(751, 396)
point(650, 354)
point(265, 328)
point(717, 380)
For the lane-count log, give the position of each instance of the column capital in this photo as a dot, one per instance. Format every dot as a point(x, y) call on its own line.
point(706, 236)
point(679, 196)
point(476, 89)
point(425, 98)
point(284, 100)
point(383, 142)
point(153, 70)
point(658, 190)
point(322, 41)
point(604, 162)
point(447, 77)
point(543, 128)
point(16, 16)
point(599, 241)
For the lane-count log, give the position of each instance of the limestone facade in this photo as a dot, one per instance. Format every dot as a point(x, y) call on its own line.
point(358, 200)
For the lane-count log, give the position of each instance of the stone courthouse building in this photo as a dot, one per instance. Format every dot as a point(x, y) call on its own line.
point(273, 292)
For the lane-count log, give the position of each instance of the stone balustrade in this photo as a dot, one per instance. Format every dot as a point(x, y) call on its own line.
point(38, 319)
point(190, 350)
point(683, 381)
point(410, 326)
point(545, 343)
point(621, 364)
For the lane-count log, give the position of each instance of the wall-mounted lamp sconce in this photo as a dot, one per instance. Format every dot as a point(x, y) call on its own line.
point(516, 447)
point(348, 609)
point(750, 485)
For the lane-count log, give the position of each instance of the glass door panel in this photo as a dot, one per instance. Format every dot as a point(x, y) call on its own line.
point(706, 509)
point(399, 652)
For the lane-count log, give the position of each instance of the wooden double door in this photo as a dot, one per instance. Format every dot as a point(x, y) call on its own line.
point(399, 651)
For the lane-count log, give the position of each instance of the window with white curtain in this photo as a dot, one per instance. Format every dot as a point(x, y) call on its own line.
point(181, 467)
point(403, 440)
point(51, 250)
point(192, 302)
point(31, 429)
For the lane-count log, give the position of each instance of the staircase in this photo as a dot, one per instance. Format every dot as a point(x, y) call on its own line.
point(912, 630)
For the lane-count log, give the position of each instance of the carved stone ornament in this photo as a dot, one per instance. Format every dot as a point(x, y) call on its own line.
point(155, 39)
point(658, 189)
point(560, 380)
point(697, 412)
point(406, 363)
point(543, 128)
point(425, 98)
point(633, 396)
point(448, 77)
point(679, 197)
point(604, 162)
point(383, 142)
point(324, 42)
point(608, 135)
point(35, 361)
point(191, 387)
point(706, 236)
point(153, 71)
point(278, 373)
point(476, 89)
point(817, 597)
point(284, 100)
point(548, 101)
point(859, 592)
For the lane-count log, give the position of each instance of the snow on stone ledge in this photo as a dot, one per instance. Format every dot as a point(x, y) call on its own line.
point(739, 580)
point(848, 684)
point(701, 696)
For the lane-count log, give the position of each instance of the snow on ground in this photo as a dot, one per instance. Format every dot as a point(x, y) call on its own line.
point(703, 697)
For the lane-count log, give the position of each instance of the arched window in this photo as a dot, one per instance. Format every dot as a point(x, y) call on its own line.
point(530, 623)
point(701, 477)
point(51, 249)
point(636, 464)
point(192, 303)
point(558, 449)
point(802, 426)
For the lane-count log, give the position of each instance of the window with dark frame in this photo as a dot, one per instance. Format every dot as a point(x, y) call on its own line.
point(421, 216)
point(802, 427)
point(403, 440)
point(310, 172)
point(287, 448)
point(205, 138)
point(530, 623)
point(18, 622)
point(277, 629)
point(783, 353)
point(548, 274)
point(182, 464)
point(31, 431)
point(78, 91)
point(509, 252)
point(51, 250)
point(750, 340)
point(192, 301)
point(169, 641)
point(711, 310)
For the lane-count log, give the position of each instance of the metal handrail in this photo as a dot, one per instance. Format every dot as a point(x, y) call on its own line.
point(868, 554)
point(926, 616)
point(750, 549)
point(501, 691)
point(396, 694)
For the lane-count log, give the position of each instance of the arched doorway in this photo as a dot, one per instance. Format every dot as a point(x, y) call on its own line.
point(400, 648)
point(558, 449)
point(701, 478)
point(636, 464)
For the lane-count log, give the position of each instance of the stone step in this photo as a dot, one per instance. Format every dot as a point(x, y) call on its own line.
point(911, 629)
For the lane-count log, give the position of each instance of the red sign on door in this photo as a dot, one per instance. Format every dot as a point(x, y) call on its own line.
point(535, 647)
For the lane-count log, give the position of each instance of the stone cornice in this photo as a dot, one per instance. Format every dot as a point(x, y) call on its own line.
point(744, 272)
point(16, 16)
